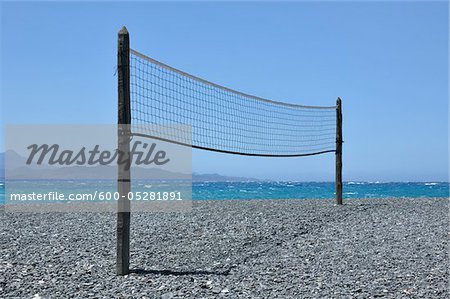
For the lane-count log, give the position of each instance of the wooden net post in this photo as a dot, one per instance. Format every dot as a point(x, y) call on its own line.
point(338, 152)
point(123, 174)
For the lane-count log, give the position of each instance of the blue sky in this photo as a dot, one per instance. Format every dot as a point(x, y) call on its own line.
point(388, 61)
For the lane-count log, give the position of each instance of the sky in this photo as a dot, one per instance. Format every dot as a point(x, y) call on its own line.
point(388, 61)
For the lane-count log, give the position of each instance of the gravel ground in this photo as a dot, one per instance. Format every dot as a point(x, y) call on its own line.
point(392, 248)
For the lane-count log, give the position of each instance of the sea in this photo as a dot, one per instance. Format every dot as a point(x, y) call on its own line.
point(271, 189)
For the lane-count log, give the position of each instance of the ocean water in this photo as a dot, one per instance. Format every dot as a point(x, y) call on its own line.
point(266, 189)
point(302, 190)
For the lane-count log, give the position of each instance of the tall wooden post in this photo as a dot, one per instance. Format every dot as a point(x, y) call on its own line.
point(123, 174)
point(338, 152)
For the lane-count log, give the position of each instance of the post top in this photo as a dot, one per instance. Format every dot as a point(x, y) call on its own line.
point(338, 100)
point(123, 30)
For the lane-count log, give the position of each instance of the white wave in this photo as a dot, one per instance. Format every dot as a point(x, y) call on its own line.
point(431, 184)
point(248, 191)
point(147, 186)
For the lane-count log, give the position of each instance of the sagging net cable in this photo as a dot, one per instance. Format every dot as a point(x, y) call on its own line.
point(222, 119)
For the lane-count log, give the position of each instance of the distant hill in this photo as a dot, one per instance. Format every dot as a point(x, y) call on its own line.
point(107, 172)
point(214, 177)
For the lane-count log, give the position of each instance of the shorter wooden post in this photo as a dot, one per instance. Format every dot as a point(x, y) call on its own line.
point(339, 152)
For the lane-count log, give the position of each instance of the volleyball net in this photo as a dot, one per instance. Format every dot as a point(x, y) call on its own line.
point(222, 119)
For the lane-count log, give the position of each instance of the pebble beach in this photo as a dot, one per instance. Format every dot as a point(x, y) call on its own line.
point(367, 248)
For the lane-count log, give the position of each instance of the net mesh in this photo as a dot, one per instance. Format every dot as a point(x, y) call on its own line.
point(222, 119)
